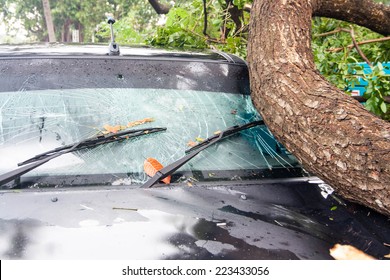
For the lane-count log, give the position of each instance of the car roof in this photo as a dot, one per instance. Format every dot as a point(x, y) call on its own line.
point(139, 52)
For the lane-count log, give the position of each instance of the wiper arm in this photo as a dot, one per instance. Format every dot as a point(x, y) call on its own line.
point(192, 152)
point(95, 141)
point(92, 142)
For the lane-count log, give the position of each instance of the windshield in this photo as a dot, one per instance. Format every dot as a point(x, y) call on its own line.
point(37, 121)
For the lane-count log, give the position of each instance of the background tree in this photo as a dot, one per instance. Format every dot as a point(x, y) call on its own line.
point(68, 15)
point(48, 20)
point(28, 13)
point(133, 27)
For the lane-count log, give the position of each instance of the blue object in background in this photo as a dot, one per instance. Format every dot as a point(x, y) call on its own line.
point(359, 88)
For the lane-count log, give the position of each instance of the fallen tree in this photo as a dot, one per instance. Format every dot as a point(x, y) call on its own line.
point(329, 132)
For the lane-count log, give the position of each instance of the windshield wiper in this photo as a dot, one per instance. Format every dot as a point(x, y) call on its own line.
point(92, 142)
point(192, 152)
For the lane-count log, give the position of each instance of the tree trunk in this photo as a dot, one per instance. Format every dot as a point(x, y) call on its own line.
point(66, 34)
point(330, 133)
point(49, 21)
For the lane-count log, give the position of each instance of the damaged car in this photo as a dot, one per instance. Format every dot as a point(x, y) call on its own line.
point(141, 153)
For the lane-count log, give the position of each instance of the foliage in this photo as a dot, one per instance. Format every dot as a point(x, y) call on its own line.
point(185, 24)
point(124, 33)
point(84, 15)
point(378, 87)
point(341, 68)
point(133, 27)
point(30, 13)
point(184, 29)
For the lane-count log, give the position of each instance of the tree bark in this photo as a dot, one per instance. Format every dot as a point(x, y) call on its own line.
point(374, 16)
point(160, 9)
point(331, 134)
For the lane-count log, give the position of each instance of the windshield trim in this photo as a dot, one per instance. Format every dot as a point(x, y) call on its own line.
point(179, 178)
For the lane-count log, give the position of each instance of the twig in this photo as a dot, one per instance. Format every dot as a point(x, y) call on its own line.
point(227, 14)
point(201, 15)
point(355, 44)
point(357, 47)
point(383, 39)
point(337, 30)
point(241, 30)
point(205, 37)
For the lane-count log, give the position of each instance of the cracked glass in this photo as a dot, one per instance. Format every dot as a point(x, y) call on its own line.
point(35, 121)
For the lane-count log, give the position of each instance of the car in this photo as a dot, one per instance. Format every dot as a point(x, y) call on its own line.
point(155, 154)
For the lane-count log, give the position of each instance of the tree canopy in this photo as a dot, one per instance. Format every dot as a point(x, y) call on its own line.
point(82, 15)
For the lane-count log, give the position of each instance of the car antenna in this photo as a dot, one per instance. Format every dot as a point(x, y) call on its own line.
point(113, 47)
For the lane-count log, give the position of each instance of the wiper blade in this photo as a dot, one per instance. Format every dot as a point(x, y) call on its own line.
point(95, 141)
point(226, 133)
point(192, 152)
point(92, 142)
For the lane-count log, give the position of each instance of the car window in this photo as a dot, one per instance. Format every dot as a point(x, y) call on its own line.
point(35, 121)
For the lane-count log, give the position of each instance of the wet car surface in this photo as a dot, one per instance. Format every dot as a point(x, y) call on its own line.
point(244, 198)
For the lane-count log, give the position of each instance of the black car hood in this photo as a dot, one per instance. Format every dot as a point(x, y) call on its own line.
point(272, 220)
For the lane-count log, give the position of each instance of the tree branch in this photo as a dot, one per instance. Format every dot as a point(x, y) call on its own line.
point(337, 30)
point(235, 14)
point(160, 9)
point(355, 44)
point(383, 39)
point(205, 18)
point(247, 8)
point(364, 13)
point(331, 134)
point(206, 37)
point(352, 32)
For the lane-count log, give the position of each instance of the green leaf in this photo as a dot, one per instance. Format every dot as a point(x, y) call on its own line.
point(333, 208)
point(383, 107)
point(380, 66)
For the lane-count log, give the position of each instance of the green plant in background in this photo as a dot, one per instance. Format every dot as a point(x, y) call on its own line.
point(377, 89)
point(132, 27)
point(182, 29)
point(124, 33)
point(185, 23)
point(336, 58)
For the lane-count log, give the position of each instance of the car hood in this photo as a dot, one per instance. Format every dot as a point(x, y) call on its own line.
point(271, 220)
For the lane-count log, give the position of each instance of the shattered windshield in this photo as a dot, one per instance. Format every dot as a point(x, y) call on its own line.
point(51, 102)
point(37, 121)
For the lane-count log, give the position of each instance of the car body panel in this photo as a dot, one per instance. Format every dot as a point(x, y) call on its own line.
point(273, 220)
